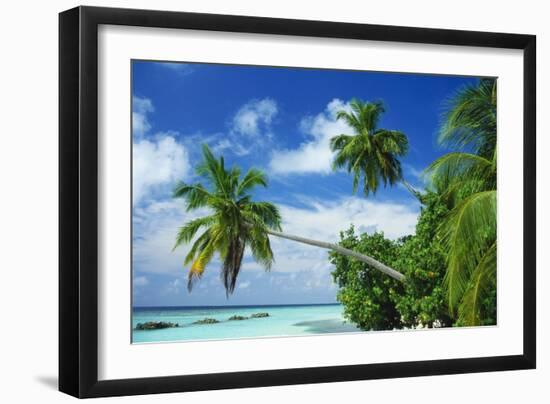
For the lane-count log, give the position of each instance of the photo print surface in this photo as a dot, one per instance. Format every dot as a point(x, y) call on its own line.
point(279, 201)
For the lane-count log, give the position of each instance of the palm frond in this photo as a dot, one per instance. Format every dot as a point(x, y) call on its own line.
point(261, 247)
point(196, 195)
point(265, 213)
point(371, 154)
point(233, 180)
point(482, 279)
point(370, 115)
point(199, 244)
point(350, 119)
point(252, 179)
point(203, 259)
point(214, 171)
point(392, 141)
point(339, 142)
point(470, 119)
point(232, 264)
point(187, 231)
point(466, 233)
point(371, 173)
point(462, 171)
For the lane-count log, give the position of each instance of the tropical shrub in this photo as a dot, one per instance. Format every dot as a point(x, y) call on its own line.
point(376, 302)
point(364, 292)
point(422, 259)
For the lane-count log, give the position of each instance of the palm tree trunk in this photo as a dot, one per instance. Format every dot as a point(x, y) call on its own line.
point(344, 251)
point(411, 189)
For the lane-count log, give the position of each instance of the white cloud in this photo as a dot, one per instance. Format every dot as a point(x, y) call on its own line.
point(307, 268)
point(255, 116)
point(141, 107)
point(155, 229)
point(141, 281)
point(234, 145)
point(161, 161)
point(314, 155)
point(181, 68)
point(411, 170)
point(416, 177)
point(173, 287)
point(250, 128)
point(323, 220)
point(156, 225)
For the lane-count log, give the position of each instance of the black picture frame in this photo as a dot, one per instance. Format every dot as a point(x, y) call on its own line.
point(78, 201)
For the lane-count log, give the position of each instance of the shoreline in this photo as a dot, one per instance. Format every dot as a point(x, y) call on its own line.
point(235, 322)
point(236, 306)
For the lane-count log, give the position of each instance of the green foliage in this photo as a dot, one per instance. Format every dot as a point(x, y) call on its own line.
point(422, 258)
point(470, 119)
point(376, 302)
point(479, 302)
point(364, 291)
point(468, 232)
point(236, 221)
point(450, 261)
point(466, 179)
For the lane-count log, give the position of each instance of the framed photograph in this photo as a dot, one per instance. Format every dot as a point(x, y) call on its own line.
point(252, 202)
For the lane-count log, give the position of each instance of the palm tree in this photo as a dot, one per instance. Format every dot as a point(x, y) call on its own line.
point(371, 153)
point(467, 182)
point(237, 222)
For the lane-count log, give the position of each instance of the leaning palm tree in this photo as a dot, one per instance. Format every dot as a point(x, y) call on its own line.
point(371, 153)
point(236, 222)
point(467, 182)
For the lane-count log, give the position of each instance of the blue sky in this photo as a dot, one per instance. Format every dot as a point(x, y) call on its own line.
point(279, 120)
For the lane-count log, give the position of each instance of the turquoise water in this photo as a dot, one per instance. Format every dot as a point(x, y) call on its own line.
point(282, 321)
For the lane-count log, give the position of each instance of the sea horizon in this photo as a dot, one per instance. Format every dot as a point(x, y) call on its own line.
point(236, 305)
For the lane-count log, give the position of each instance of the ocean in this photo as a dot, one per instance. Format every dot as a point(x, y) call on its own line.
point(283, 320)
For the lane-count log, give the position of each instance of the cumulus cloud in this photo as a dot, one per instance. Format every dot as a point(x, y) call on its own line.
point(156, 226)
point(141, 281)
point(307, 268)
point(250, 128)
point(181, 68)
point(156, 162)
point(415, 176)
point(158, 159)
point(255, 116)
point(141, 107)
point(161, 160)
point(323, 220)
point(313, 155)
point(173, 287)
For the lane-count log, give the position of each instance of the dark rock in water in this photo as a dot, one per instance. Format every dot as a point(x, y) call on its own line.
point(259, 315)
point(233, 318)
point(206, 321)
point(155, 325)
